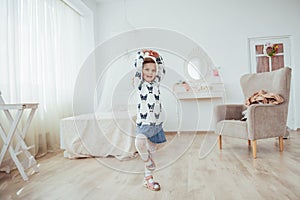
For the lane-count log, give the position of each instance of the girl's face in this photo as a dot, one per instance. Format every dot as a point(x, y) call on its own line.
point(149, 72)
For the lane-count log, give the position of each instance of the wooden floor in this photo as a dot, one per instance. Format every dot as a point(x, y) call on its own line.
point(197, 171)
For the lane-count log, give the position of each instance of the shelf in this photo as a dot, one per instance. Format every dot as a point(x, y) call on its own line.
point(199, 95)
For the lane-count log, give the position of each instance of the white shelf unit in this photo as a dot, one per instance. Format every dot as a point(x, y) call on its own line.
point(199, 95)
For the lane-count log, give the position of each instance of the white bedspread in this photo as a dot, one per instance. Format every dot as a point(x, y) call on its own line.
point(99, 135)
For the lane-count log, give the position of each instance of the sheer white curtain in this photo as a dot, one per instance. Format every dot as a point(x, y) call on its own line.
point(40, 56)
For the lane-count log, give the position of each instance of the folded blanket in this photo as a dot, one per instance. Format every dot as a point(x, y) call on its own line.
point(262, 97)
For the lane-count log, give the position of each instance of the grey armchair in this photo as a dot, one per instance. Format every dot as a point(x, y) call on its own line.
point(264, 120)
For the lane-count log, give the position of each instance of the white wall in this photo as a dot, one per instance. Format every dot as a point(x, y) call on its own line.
point(221, 28)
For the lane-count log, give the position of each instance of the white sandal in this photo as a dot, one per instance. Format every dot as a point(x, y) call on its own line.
point(151, 185)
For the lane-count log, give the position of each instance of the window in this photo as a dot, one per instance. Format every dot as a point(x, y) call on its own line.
point(270, 53)
point(42, 47)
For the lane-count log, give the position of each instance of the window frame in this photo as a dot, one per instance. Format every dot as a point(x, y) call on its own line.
point(285, 40)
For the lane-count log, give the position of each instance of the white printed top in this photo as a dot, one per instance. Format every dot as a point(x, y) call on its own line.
point(149, 108)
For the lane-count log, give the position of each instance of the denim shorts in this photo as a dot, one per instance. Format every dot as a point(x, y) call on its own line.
point(154, 133)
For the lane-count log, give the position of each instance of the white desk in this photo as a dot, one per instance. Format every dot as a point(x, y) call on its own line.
point(197, 110)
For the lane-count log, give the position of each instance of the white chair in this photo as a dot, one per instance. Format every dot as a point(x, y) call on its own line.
point(13, 133)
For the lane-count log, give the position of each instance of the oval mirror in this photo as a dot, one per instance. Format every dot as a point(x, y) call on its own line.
point(197, 66)
point(196, 69)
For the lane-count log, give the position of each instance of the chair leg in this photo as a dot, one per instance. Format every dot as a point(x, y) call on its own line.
point(220, 141)
point(254, 148)
point(249, 142)
point(280, 143)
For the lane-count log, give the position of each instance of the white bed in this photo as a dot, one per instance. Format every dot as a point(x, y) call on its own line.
point(99, 135)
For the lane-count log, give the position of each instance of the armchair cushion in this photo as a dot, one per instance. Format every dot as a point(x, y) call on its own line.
point(232, 128)
point(228, 120)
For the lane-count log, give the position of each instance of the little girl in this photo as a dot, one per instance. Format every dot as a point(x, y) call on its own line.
point(149, 72)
